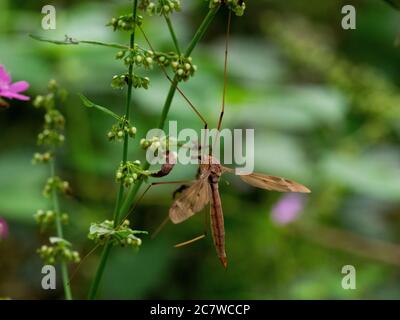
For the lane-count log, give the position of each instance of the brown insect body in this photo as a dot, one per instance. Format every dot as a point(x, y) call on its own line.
point(213, 171)
point(205, 189)
point(217, 219)
point(194, 198)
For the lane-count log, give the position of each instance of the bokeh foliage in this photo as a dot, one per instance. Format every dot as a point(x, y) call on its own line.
point(325, 105)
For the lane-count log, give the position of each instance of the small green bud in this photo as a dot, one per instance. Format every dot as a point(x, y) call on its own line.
point(132, 131)
point(120, 55)
point(52, 85)
point(38, 102)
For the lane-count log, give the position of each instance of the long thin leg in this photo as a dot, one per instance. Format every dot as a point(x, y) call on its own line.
point(182, 244)
point(80, 263)
point(130, 211)
point(160, 227)
point(148, 188)
point(206, 226)
point(228, 28)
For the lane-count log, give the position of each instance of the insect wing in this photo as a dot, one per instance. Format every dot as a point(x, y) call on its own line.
point(190, 201)
point(271, 183)
point(274, 183)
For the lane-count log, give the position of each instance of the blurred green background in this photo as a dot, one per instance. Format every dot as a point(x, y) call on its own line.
point(325, 106)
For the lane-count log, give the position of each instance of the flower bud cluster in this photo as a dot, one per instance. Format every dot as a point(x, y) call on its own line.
point(42, 157)
point(54, 121)
point(49, 137)
point(122, 235)
point(160, 7)
point(136, 56)
point(59, 251)
point(119, 81)
point(130, 172)
point(183, 68)
point(119, 130)
point(158, 143)
point(125, 22)
point(236, 6)
point(47, 218)
point(55, 183)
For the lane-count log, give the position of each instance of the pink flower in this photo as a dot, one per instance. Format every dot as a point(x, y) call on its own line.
point(288, 208)
point(3, 229)
point(11, 90)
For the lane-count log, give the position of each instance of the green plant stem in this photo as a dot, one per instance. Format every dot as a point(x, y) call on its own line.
point(130, 197)
point(60, 233)
point(107, 248)
point(173, 35)
point(122, 207)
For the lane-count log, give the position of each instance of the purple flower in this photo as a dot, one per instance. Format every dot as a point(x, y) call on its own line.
point(11, 90)
point(3, 229)
point(288, 208)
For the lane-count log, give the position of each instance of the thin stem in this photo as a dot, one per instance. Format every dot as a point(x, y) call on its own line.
point(71, 41)
point(107, 248)
point(123, 207)
point(174, 82)
point(99, 272)
point(173, 35)
point(201, 30)
point(60, 233)
point(130, 197)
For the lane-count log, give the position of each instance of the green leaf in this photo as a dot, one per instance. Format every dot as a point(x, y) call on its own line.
point(99, 229)
point(90, 104)
point(121, 235)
